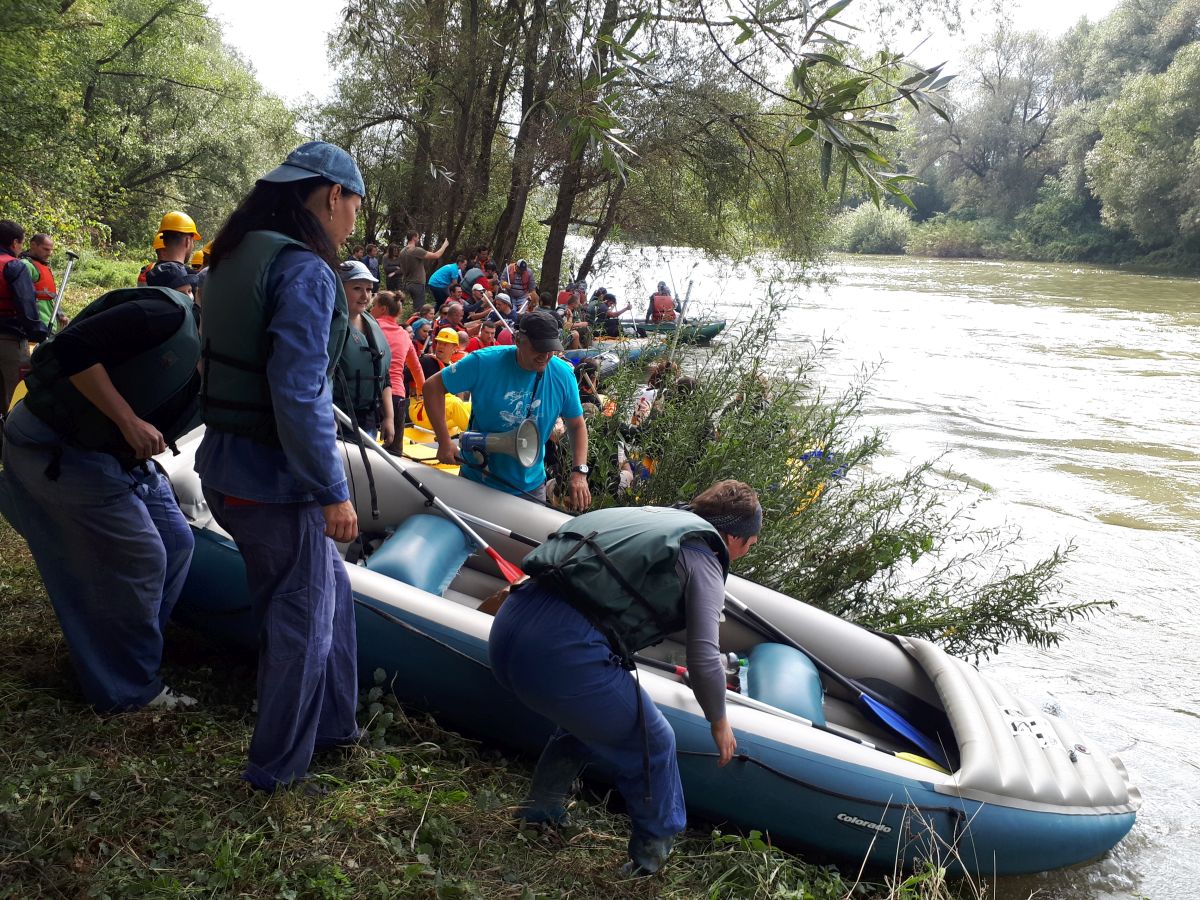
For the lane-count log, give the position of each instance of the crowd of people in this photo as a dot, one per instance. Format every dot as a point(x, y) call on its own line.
point(289, 332)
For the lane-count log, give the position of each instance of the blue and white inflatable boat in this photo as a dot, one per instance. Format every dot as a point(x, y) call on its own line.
point(1021, 790)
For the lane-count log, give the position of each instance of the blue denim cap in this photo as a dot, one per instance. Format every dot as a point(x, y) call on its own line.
point(319, 158)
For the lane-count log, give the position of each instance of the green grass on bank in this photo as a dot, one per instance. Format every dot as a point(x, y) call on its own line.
point(150, 804)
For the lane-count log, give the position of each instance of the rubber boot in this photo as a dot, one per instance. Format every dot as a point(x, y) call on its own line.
point(646, 855)
point(560, 764)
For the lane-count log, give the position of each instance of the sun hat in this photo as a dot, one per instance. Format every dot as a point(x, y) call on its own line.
point(543, 331)
point(447, 336)
point(353, 270)
point(319, 158)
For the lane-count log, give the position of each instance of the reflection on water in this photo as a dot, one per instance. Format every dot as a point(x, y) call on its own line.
point(1071, 396)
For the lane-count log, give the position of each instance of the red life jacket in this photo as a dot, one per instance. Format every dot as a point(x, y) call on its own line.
point(145, 271)
point(44, 287)
point(8, 308)
point(517, 278)
point(662, 308)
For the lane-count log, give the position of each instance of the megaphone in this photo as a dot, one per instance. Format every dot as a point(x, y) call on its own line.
point(522, 442)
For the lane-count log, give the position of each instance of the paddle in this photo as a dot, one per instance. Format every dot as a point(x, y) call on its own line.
point(865, 697)
point(512, 573)
point(751, 703)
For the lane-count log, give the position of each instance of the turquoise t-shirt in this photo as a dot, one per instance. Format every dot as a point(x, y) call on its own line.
point(502, 396)
point(443, 275)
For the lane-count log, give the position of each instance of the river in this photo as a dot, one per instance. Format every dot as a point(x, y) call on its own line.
point(1070, 396)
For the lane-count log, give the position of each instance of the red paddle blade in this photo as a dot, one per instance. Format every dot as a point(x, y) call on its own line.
point(512, 574)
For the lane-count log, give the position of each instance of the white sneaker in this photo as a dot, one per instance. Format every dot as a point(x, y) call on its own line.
point(169, 699)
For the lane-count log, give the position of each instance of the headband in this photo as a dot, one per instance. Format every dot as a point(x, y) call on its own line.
point(746, 526)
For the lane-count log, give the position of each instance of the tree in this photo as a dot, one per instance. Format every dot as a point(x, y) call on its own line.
point(1146, 165)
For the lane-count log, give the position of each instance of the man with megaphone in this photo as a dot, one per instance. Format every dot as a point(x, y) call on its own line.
point(510, 386)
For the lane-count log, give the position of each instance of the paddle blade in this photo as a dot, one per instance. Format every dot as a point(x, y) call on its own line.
point(512, 574)
point(902, 727)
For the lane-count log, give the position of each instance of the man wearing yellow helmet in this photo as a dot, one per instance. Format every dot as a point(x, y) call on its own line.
point(178, 234)
point(159, 249)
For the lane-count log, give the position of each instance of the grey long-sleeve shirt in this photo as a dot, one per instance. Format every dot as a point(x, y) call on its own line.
point(703, 582)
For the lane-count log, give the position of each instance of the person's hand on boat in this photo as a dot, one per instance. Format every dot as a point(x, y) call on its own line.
point(722, 735)
point(581, 494)
point(448, 453)
point(387, 431)
point(341, 521)
point(143, 438)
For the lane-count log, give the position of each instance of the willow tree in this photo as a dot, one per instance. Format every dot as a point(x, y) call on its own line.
point(497, 101)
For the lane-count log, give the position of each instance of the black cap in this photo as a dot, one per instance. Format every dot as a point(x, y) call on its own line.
point(542, 330)
point(170, 274)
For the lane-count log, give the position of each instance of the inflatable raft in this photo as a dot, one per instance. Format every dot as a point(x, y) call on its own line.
point(691, 332)
point(1021, 790)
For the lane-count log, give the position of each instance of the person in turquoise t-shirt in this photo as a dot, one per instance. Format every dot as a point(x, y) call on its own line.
point(508, 385)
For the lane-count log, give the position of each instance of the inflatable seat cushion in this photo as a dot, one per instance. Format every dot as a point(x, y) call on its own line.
point(426, 551)
point(784, 677)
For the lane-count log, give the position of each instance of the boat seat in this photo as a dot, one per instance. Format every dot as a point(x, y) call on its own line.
point(784, 677)
point(426, 551)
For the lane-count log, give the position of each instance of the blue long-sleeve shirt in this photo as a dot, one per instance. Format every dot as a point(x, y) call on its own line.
point(308, 465)
point(26, 323)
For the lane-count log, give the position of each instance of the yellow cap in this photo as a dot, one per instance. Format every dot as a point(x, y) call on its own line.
point(198, 258)
point(158, 243)
point(179, 221)
point(447, 336)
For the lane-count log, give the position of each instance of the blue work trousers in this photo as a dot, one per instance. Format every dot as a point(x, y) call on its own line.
point(113, 550)
point(559, 665)
point(308, 647)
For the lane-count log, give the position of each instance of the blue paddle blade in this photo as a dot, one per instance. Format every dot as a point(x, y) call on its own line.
point(901, 726)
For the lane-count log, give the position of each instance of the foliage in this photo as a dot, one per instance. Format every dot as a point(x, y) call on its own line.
point(661, 122)
point(1080, 148)
point(871, 229)
point(116, 112)
point(949, 236)
point(151, 803)
point(1146, 167)
point(895, 552)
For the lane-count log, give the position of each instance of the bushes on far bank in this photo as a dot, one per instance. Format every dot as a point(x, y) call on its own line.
point(871, 229)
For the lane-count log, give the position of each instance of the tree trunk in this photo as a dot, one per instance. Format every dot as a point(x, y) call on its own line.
point(602, 232)
point(559, 222)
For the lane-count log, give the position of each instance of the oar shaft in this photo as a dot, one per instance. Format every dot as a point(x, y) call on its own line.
point(425, 492)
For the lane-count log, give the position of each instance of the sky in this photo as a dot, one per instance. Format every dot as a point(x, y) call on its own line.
point(285, 39)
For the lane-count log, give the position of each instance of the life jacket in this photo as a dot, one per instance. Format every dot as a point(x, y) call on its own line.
point(8, 305)
point(235, 396)
point(161, 385)
point(362, 375)
point(617, 567)
point(522, 281)
point(662, 308)
point(44, 287)
point(145, 271)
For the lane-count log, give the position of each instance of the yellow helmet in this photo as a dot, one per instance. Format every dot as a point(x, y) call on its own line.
point(158, 243)
point(198, 258)
point(179, 221)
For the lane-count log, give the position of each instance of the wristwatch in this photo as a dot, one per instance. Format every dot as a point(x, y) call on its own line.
point(582, 470)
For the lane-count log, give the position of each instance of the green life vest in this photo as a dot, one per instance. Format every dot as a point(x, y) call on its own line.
point(362, 368)
point(617, 567)
point(161, 385)
point(235, 396)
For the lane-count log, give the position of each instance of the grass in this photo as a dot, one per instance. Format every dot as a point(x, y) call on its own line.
point(150, 804)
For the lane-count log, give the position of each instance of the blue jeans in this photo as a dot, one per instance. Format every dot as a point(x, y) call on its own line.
point(559, 665)
point(113, 550)
point(308, 647)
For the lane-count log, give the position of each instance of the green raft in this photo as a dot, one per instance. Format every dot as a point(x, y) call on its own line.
point(699, 331)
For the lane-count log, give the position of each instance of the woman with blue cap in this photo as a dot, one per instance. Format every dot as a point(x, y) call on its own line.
point(275, 324)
